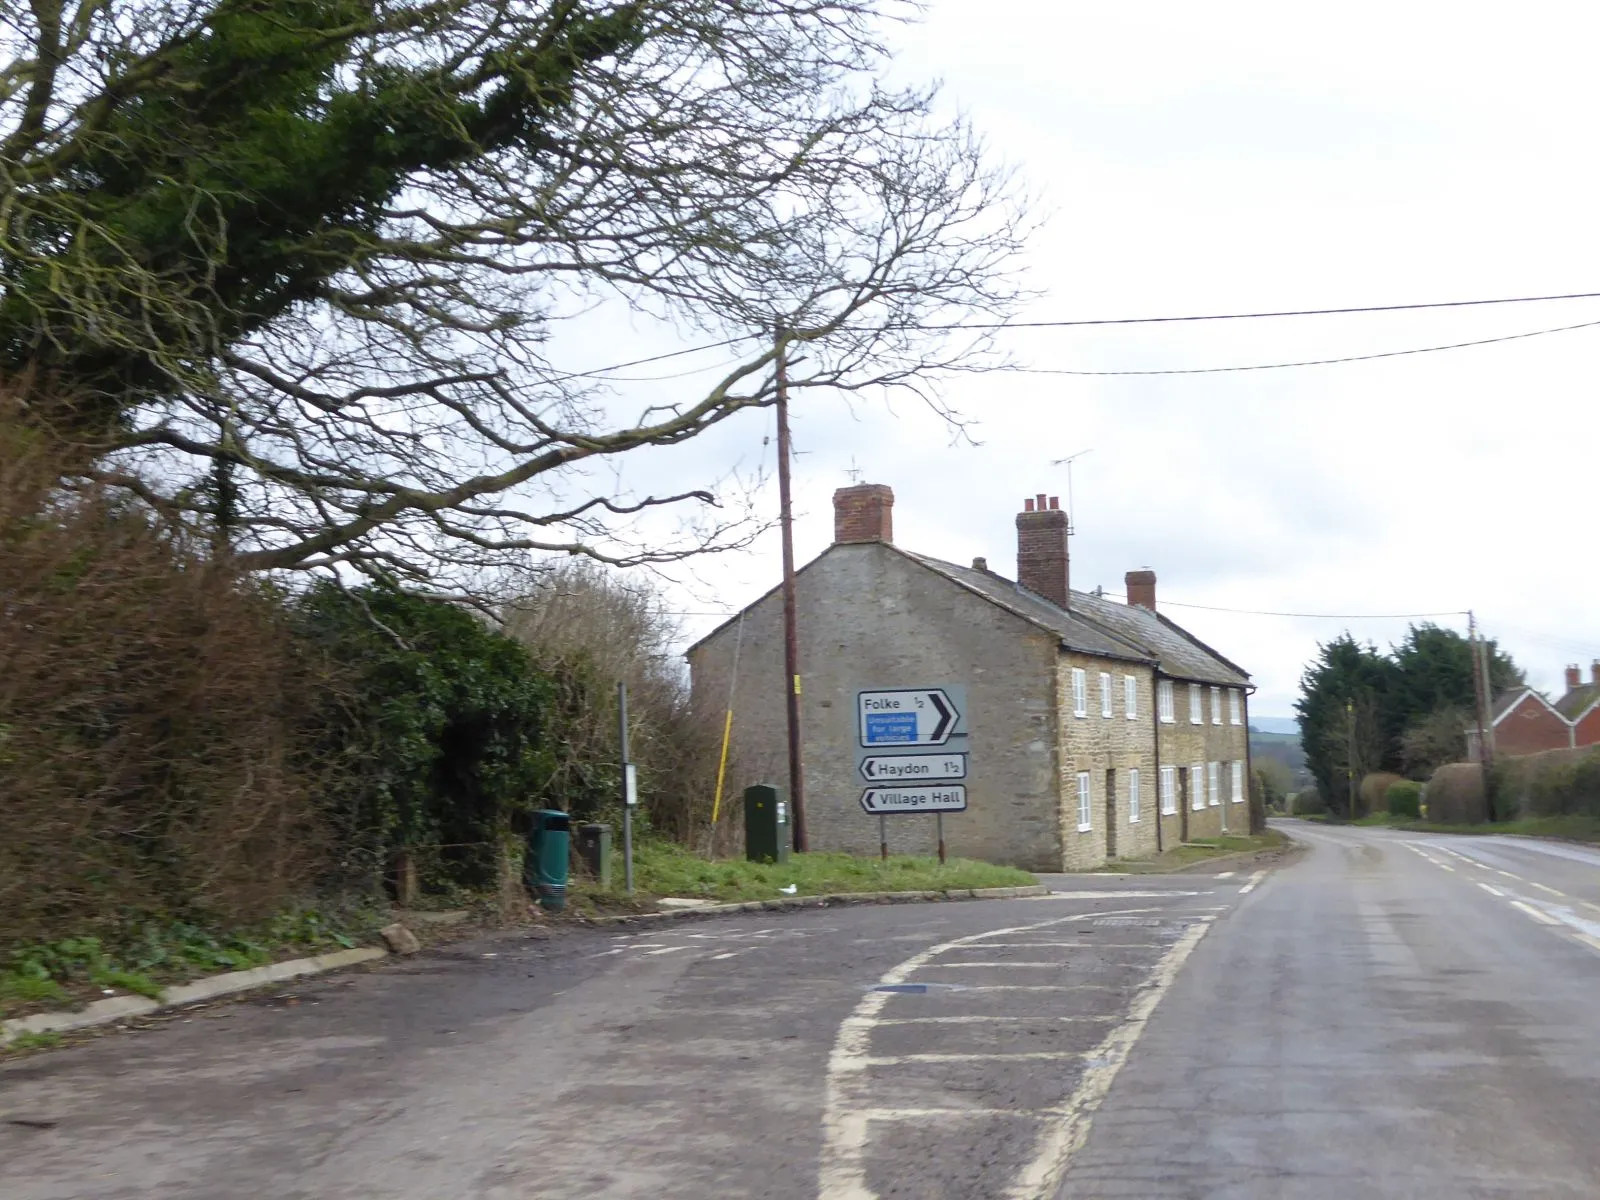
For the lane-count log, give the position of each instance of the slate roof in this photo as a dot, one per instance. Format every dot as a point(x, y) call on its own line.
point(1177, 652)
point(1075, 634)
point(1505, 702)
point(1096, 625)
point(1578, 701)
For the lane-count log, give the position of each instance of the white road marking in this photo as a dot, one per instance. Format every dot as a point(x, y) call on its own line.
point(1250, 884)
point(1028, 987)
point(1491, 889)
point(1081, 945)
point(1118, 895)
point(1444, 866)
point(896, 1060)
point(983, 1019)
point(1053, 966)
point(1226, 874)
point(1542, 917)
point(666, 950)
point(1042, 1176)
point(1551, 890)
point(845, 1126)
point(1508, 874)
point(725, 954)
point(916, 1114)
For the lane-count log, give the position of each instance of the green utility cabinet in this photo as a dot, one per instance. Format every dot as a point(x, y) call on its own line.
point(593, 844)
point(766, 824)
point(547, 861)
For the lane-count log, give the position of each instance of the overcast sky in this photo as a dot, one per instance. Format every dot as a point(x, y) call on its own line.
point(1237, 157)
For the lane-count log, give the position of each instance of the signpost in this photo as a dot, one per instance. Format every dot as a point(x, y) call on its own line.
point(913, 753)
point(880, 768)
point(934, 798)
point(907, 717)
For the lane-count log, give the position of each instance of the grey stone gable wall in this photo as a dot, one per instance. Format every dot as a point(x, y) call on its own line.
point(872, 617)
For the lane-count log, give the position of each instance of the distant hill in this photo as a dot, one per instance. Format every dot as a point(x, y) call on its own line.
point(1275, 725)
point(1285, 748)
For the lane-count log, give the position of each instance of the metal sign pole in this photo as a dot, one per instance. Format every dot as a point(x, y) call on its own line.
point(883, 837)
point(629, 794)
point(939, 817)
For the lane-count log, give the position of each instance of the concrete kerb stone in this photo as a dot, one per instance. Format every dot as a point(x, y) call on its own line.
point(121, 1008)
point(790, 903)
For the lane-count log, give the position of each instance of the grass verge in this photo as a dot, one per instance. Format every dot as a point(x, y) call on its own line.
point(666, 869)
point(1575, 828)
point(1202, 849)
point(143, 961)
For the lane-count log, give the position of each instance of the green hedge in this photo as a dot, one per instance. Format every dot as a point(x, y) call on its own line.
point(1405, 799)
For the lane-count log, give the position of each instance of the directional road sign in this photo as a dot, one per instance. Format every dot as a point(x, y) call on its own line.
point(930, 798)
point(913, 768)
point(907, 717)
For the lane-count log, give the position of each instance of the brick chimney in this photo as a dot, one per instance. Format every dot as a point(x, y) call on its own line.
point(1574, 677)
point(1141, 585)
point(863, 513)
point(1042, 548)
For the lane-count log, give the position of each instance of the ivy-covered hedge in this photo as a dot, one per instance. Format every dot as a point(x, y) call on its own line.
point(442, 727)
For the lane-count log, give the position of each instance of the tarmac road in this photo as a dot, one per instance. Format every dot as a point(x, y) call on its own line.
point(745, 1056)
point(1397, 1015)
point(1387, 1015)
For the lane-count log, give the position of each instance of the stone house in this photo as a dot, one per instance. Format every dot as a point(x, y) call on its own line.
point(1081, 747)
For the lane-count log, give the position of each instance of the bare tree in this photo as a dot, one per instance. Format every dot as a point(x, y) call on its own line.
point(297, 272)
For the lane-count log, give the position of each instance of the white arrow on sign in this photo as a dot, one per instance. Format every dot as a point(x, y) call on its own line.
point(909, 717)
point(913, 768)
point(935, 798)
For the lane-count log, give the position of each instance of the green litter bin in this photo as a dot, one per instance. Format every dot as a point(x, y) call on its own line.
point(545, 866)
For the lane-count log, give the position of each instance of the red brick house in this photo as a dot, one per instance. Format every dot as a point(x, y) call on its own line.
point(1581, 705)
point(1524, 723)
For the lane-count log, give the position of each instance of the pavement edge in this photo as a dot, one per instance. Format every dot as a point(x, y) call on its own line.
point(122, 1008)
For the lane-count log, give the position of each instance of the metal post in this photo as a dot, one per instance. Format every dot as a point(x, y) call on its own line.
point(940, 818)
point(627, 792)
point(791, 644)
point(883, 837)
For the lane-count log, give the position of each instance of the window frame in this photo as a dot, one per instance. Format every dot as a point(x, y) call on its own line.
point(1105, 694)
point(1197, 714)
point(1133, 795)
point(1236, 770)
point(1216, 705)
point(1167, 785)
point(1214, 783)
point(1197, 787)
point(1130, 697)
point(1085, 801)
point(1235, 706)
point(1080, 692)
point(1166, 702)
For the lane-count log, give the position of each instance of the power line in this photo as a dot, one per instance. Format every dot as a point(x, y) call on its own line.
point(1255, 316)
point(1311, 362)
point(1253, 612)
point(1238, 316)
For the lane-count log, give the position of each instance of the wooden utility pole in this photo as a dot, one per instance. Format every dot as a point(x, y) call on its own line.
point(1480, 693)
point(791, 640)
point(1350, 753)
